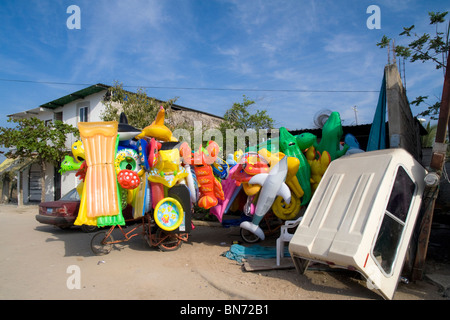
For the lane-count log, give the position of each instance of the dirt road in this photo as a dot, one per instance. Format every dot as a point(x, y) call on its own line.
point(43, 262)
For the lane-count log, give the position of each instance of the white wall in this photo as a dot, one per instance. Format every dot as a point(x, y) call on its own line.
point(70, 116)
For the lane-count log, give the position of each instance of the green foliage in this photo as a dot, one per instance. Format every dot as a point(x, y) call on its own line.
point(33, 138)
point(239, 117)
point(384, 42)
point(428, 139)
point(140, 109)
point(424, 48)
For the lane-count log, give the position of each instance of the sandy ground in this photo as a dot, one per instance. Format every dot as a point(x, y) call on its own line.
point(37, 262)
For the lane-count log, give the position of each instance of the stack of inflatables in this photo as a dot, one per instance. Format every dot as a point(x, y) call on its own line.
point(119, 165)
point(281, 174)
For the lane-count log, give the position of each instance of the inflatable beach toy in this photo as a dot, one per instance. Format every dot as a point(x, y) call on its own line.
point(78, 151)
point(157, 129)
point(210, 190)
point(168, 214)
point(289, 146)
point(69, 164)
point(100, 197)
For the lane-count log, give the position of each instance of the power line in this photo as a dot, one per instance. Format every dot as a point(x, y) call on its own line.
point(197, 88)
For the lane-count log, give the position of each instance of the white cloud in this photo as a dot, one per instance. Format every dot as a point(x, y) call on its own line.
point(343, 43)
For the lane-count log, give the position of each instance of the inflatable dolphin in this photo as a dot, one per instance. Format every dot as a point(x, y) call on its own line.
point(272, 186)
point(126, 131)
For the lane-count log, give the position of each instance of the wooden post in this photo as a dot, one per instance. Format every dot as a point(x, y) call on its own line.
point(436, 165)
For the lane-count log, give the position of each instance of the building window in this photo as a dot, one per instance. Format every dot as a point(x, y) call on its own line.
point(83, 111)
point(394, 220)
point(59, 116)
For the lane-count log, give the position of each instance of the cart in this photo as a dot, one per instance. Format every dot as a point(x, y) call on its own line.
point(167, 228)
point(102, 242)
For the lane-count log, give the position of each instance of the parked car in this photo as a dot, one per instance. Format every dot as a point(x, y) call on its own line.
point(63, 212)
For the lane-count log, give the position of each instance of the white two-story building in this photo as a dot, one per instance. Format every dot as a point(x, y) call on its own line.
point(80, 106)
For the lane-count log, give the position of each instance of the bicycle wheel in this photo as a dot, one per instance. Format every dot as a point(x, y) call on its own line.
point(101, 243)
point(248, 236)
point(167, 241)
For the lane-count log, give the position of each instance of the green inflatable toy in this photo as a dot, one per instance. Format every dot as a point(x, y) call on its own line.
point(289, 146)
point(69, 164)
point(331, 138)
point(306, 140)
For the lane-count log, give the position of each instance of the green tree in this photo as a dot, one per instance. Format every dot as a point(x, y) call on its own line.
point(424, 47)
point(240, 117)
point(428, 139)
point(140, 109)
point(32, 138)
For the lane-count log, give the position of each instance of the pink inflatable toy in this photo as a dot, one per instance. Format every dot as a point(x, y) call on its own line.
point(230, 190)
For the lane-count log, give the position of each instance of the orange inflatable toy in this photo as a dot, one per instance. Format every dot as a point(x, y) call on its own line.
point(100, 196)
point(210, 189)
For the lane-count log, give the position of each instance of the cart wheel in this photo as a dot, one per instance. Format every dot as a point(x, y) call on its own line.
point(169, 241)
point(149, 231)
point(248, 236)
point(88, 229)
point(101, 244)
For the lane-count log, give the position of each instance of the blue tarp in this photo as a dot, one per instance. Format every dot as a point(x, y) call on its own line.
point(239, 253)
point(377, 136)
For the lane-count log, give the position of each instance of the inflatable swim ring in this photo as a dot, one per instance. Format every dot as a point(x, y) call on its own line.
point(127, 159)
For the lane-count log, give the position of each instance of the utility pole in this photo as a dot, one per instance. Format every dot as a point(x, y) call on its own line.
point(356, 114)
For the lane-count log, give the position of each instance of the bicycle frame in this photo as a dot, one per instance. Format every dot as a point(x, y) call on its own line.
point(153, 239)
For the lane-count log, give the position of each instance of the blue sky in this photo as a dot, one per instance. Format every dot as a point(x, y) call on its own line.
point(279, 50)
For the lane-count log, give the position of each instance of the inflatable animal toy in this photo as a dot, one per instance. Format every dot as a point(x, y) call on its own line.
point(210, 190)
point(168, 169)
point(280, 208)
point(126, 131)
point(157, 129)
point(289, 146)
point(250, 164)
point(272, 185)
point(318, 166)
point(331, 136)
point(69, 164)
point(78, 151)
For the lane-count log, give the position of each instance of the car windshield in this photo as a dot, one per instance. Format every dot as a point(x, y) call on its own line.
point(72, 195)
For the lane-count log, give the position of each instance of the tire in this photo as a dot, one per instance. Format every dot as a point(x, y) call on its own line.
point(169, 241)
point(100, 244)
point(88, 229)
point(249, 237)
